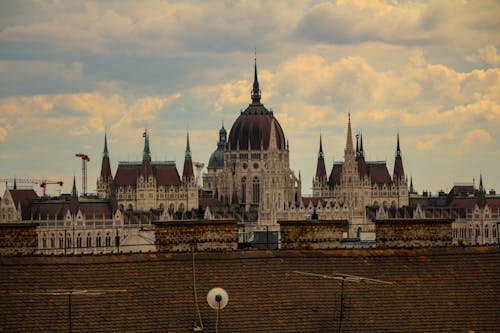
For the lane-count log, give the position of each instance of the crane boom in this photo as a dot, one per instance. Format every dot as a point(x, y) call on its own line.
point(85, 158)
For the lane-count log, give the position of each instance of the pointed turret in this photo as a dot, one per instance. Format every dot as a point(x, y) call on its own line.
point(320, 166)
point(255, 89)
point(399, 173)
point(481, 189)
point(105, 165)
point(360, 158)
point(349, 148)
point(188, 173)
point(146, 170)
point(412, 190)
point(74, 192)
point(15, 183)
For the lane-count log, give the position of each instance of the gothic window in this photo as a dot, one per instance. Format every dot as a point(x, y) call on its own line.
point(486, 232)
point(89, 240)
point(243, 190)
point(98, 240)
point(52, 241)
point(79, 241)
point(494, 231)
point(358, 232)
point(108, 240)
point(44, 241)
point(171, 208)
point(181, 207)
point(68, 241)
point(61, 241)
point(117, 239)
point(477, 231)
point(256, 190)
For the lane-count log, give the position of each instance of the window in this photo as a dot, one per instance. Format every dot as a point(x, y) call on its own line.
point(89, 240)
point(108, 239)
point(98, 240)
point(117, 240)
point(486, 231)
point(61, 241)
point(52, 241)
point(256, 190)
point(243, 190)
point(494, 231)
point(68, 241)
point(44, 241)
point(79, 241)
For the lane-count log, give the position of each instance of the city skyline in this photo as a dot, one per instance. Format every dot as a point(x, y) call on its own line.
point(72, 71)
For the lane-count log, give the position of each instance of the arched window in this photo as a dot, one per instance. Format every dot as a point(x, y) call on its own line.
point(494, 231)
point(44, 241)
point(79, 240)
point(68, 241)
point(52, 241)
point(117, 239)
point(486, 231)
point(244, 190)
point(171, 208)
point(61, 241)
point(181, 207)
point(358, 232)
point(108, 239)
point(98, 240)
point(89, 240)
point(256, 190)
point(477, 231)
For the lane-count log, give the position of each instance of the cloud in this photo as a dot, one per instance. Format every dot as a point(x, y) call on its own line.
point(472, 139)
point(406, 23)
point(490, 54)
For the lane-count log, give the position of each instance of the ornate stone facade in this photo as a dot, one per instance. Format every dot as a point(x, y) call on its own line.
point(150, 185)
point(256, 179)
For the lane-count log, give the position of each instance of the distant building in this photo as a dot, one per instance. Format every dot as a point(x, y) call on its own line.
point(150, 185)
point(476, 213)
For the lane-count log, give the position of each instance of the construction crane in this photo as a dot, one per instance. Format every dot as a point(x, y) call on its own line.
point(42, 182)
point(85, 158)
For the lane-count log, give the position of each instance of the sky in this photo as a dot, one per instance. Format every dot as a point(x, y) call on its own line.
point(71, 71)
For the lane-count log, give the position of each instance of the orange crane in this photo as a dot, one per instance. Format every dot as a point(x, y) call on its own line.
point(85, 158)
point(43, 182)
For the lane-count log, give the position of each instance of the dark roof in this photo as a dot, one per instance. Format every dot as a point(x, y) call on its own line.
point(378, 173)
point(58, 208)
point(166, 173)
point(335, 174)
point(254, 126)
point(25, 198)
point(435, 290)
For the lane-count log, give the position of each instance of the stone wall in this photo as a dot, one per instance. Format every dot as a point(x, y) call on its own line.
point(311, 234)
point(18, 238)
point(413, 233)
point(208, 235)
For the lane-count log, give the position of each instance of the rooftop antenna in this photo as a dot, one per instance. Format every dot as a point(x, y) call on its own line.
point(344, 278)
point(217, 298)
point(70, 293)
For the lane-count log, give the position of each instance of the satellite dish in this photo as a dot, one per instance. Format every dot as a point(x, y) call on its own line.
point(217, 298)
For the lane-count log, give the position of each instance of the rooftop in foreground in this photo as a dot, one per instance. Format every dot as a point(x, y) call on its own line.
point(451, 289)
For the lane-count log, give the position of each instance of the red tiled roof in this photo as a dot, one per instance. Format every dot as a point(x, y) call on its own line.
point(378, 173)
point(211, 202)
point(126, 175)
point(434, 290)
point(167, 176)
point(57, 209)
point(25, 198)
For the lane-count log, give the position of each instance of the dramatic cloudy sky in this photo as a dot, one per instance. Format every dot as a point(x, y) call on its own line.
point(72, 70)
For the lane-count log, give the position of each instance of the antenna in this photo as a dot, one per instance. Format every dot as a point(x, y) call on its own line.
point(217, 298)
point(344, 278)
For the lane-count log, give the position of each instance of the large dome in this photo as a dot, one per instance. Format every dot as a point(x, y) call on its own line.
point(252, 129)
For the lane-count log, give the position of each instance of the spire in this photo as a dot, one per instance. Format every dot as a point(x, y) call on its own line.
point(15, 183)
point(105, 152)
point(187, 172)
point(187, 155)
point(398, 174)
point(146, 155)
point(398, 150)
point(320, 166)
point(412, 190)
point(357, 146)
point(256, 89)
point(74, 193)
point(105, 166)
point(349, 153)
point(481, 187)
